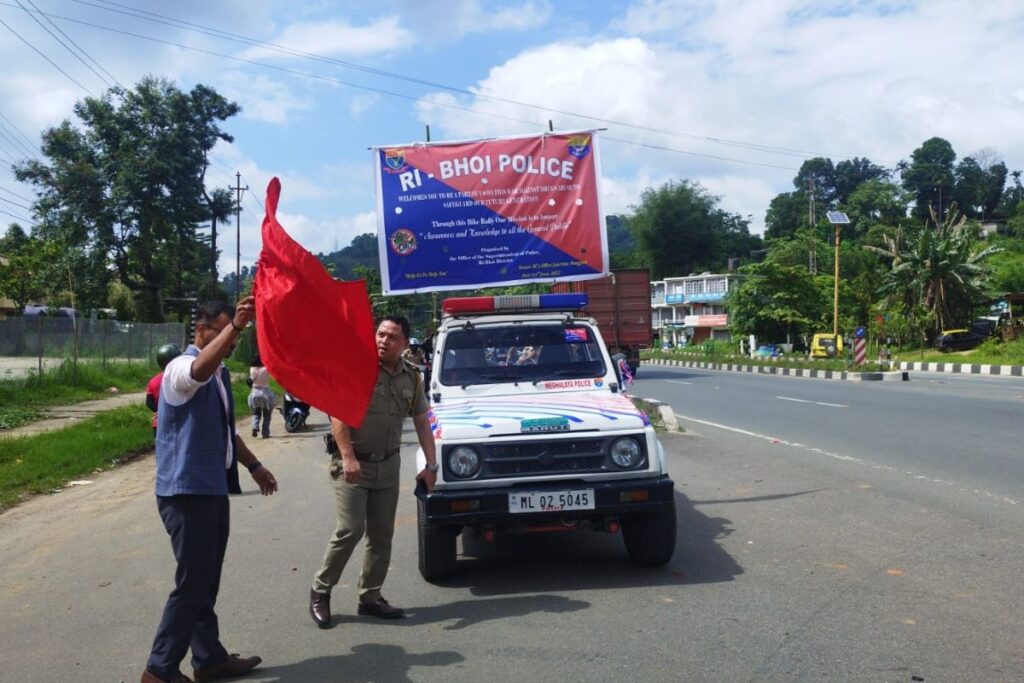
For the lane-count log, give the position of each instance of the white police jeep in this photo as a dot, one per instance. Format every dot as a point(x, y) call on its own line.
point(534, 434)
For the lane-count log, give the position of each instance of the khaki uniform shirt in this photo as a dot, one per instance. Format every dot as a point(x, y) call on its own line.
point(395, 397)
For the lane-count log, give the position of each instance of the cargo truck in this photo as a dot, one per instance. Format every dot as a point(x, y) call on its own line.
point(621, 305)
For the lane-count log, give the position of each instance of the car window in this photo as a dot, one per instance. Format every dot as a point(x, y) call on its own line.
point(511, 353)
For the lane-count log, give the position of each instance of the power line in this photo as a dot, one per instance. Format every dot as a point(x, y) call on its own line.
point(20, 206)
point(206, 30)
point(17, 218)
point(32, 148)
point(390, 93)
point(15, 194)
point(40, 53)
point(62, 43)
point(21, 147)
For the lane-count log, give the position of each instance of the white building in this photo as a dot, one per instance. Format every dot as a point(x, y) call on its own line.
point(691, 309)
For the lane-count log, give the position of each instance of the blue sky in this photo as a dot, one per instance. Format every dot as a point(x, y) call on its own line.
point(741, 92)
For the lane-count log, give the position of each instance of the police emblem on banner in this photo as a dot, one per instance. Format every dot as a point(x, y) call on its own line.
point(403, 242)
point(579, 146)
point(394, 160)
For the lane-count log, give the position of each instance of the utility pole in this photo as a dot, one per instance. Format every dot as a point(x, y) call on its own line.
point(812, 259)
point(838, 219)
point(238, 233)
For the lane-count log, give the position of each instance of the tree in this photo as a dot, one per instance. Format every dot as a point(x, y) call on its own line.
point(929, 178)
point(124, 189)
point(939, 270)
point(26, 267)
point(786, 214)
point(850, 174)
point(875, 202)
point(681, 230)
point(775, 301)
point(978, 188)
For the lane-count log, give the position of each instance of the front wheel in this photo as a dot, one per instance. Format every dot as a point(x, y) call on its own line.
point(293, 422)
point(651, 537)
point(436, 547)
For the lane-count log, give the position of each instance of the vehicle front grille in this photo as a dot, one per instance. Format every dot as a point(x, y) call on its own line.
point(544, 458)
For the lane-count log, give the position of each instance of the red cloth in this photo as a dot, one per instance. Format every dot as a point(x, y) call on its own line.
point(315, 333)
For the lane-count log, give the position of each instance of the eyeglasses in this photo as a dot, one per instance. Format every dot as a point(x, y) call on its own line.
point(218, 330)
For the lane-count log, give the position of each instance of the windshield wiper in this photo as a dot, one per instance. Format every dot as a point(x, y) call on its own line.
point(495, 376)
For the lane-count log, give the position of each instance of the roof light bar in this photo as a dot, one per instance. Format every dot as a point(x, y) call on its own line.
point(514, 302)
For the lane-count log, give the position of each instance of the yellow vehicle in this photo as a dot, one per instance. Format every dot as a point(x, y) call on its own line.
point(826, 345)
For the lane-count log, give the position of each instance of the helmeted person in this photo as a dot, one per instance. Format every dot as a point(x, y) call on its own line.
point(365, 475)
point(164, 355)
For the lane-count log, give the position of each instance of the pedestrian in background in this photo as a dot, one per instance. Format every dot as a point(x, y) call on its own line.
point(261, 397)
point(197, 452)
point(164, 355)
point(365, 473)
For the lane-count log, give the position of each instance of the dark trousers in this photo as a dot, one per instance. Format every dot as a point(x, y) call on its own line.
point(198, 527)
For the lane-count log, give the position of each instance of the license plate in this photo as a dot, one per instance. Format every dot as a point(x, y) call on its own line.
point(551, 501)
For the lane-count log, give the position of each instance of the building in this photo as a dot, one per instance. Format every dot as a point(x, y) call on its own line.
point(691, 309)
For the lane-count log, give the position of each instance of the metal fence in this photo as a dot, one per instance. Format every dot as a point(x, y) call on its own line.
point(45, 337)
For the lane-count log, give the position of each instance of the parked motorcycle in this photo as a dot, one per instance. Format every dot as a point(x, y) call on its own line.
point(295, 411)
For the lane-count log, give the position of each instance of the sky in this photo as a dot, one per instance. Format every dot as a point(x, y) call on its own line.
point(733, 95)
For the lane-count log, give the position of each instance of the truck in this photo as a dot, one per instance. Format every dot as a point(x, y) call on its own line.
point(534, 434)
point(621, 305)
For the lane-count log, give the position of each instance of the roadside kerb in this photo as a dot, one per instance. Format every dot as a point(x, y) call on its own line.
point(964, 368)
point(900, 375)
point(668, 416)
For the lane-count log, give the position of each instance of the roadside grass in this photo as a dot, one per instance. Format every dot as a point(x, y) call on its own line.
point(22, 400)
point(652, 414)
point(991, 352)
point(43, 462)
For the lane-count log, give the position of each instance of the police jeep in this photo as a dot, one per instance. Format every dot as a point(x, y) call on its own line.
point(534, 434)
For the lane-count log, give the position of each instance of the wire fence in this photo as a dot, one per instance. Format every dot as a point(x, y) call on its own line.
point(50, 337)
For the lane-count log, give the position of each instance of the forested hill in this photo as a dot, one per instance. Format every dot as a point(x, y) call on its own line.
point(363, 250)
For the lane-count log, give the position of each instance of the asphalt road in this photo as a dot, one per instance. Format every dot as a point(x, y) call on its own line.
point(791, 564)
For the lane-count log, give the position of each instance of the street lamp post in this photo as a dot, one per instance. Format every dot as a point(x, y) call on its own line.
point(837, 219)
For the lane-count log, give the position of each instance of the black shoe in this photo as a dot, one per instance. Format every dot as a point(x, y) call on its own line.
point(320, 608)
point(254, 433)
point(380, 609)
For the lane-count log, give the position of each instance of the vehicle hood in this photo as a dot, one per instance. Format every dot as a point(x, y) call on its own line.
point(483, 417)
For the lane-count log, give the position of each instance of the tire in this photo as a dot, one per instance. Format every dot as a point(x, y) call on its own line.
point(651, 538)
point(830, 350)
point(293, 422)
point(436, 546)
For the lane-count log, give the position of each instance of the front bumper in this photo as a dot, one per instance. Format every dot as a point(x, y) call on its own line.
point(492, 505)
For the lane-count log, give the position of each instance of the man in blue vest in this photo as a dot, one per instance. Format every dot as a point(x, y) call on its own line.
point(197, 453)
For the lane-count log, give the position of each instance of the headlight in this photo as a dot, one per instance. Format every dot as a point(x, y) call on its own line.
point(464, 462)
point(626, 452)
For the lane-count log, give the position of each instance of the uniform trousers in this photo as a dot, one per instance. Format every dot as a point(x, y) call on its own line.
point(198, 527)
point(366, 507)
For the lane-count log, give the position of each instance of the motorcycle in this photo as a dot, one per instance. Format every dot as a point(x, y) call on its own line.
point(295, 411)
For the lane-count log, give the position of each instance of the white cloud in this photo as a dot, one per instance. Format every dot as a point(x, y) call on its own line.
point(451, 20)
point(840, 80)
point(262, 98)
point(360, 104)
point(337, 38)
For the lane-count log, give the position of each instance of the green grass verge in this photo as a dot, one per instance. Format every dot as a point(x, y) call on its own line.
point(992, 352)
point(43, 462)
point(22, 400)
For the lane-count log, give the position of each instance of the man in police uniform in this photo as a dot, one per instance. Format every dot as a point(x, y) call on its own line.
point(366, 476)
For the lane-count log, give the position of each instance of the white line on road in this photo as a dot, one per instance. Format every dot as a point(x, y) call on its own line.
point(677, 381)
point(839, 456)
point(817, 403)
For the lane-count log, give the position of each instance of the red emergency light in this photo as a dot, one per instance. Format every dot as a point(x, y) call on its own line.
point(514, 302)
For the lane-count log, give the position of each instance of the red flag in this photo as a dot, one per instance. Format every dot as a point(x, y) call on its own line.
point(315, 334)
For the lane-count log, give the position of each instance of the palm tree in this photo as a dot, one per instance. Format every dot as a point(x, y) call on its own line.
point(940, 269)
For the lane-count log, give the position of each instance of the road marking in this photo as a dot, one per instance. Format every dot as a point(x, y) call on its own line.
point(817, 403)
point(677, 381)
point(844, 458)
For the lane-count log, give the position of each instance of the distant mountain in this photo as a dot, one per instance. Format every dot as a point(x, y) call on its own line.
point(361, 252)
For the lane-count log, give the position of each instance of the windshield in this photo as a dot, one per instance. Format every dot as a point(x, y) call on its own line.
point(516, 353)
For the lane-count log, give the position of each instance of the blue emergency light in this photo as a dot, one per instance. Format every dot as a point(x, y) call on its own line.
point(514, 302)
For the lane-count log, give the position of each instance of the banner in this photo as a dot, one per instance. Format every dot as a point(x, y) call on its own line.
point(464, 215)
